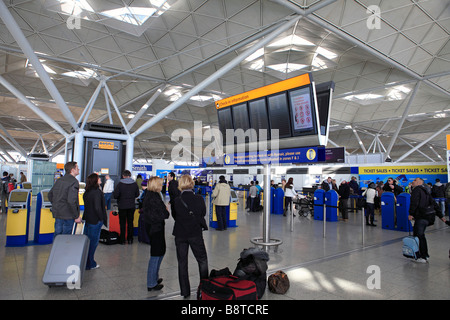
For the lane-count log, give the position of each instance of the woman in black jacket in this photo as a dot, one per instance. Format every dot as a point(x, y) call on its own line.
point(155, 212)
point(190, 211)
point(94, 215)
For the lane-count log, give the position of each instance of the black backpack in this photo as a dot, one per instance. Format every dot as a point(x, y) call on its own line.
point(252, 266)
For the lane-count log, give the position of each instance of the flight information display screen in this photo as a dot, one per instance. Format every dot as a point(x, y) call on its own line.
point(225, 121)
point(279, 114)
point(258, 116)
point(323, 97)
point(240, 116)
point(303, 117)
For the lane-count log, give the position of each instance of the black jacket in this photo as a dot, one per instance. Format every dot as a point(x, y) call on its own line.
point(64, 198)
point(397, 189)
point(154, 211)
point(420, 199)
point(344, 191)
point(94, 207)
point(187, 226)
point(126, 193)
point(174, 192)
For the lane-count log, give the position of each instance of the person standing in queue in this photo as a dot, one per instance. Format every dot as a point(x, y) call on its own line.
point(174, 192)
point(222, 196)
point(126, 193)
point(94, 215)
point(64, 198)
point(190, 211)
point(154, 213)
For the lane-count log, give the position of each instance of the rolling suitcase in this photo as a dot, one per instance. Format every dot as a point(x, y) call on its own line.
point(67, 260)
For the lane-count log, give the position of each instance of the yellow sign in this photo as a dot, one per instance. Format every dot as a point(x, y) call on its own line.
point(420, 170)
point(106, 145)
point(448, 142)
point(280, 86)
point(311, 154)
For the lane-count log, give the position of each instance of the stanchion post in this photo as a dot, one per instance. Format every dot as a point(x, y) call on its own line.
point(363, 224)
point(324, 219)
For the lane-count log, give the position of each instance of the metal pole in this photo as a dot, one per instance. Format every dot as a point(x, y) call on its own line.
point(18, 35)
point(292, 216)
point(363, 224)
point(266, 217)
point(33, 107)
point(324, 219)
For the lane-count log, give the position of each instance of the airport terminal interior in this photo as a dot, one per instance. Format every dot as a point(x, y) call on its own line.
point(256, 91)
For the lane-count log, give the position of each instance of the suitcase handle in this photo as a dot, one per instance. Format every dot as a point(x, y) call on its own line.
point(74, 229)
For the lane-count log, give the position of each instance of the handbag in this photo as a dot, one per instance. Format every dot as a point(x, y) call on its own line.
point(191, 213)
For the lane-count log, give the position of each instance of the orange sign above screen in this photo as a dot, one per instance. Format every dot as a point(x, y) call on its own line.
point(280, 86)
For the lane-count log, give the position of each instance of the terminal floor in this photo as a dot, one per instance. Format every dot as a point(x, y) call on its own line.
point(334, 267)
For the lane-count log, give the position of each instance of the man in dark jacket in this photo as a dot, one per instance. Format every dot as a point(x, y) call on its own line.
point(420, 199)
point(126, 193)
point(173, 191)
point(64, 199)
point(4, 190)
point(344, 194)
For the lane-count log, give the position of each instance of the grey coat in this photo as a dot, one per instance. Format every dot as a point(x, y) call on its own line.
point(64, 198)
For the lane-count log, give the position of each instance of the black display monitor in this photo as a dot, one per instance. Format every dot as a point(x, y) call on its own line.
point(303, 111)
point(279, 114)
point(240, 116)
point(324, 93)
point(225, 122)
point(258, 117)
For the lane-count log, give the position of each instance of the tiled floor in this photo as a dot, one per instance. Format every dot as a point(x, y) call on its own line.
point(335, 267)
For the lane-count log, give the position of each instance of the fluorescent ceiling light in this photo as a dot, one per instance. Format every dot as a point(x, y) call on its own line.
point(287, 67)
point(291, 40)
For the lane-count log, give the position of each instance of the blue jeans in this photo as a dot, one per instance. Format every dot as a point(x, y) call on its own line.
point(93, 233)
point(153, 270)
point(63, 226)
point(108, 200)
point(441, 203)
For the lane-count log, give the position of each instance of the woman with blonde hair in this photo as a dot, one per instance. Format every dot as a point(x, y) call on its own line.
point(190, 211)
point(154, 213)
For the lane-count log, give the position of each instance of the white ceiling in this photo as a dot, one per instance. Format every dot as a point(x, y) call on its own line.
point(185, 41)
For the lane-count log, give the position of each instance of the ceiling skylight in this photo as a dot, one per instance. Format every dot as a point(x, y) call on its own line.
point(287, 67)
point(132, 15)
point(365, 99)
point(291, 40)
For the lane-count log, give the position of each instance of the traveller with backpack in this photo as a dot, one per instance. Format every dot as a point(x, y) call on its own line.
point(422, 210)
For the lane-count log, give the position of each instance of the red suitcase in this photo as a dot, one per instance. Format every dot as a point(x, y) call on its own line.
point(226, 288)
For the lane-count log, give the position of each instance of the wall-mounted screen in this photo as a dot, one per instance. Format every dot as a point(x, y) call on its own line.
point(279, 114)
point(258, 116)
point(303, 115)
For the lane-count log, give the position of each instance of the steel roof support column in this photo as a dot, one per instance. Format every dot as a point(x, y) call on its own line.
point(423, 143)
point(18, 35)
point(402, 120)
point(52, 123)
point(219, 73)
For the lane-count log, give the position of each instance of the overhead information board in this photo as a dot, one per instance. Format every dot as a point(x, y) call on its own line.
point(287, 109)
